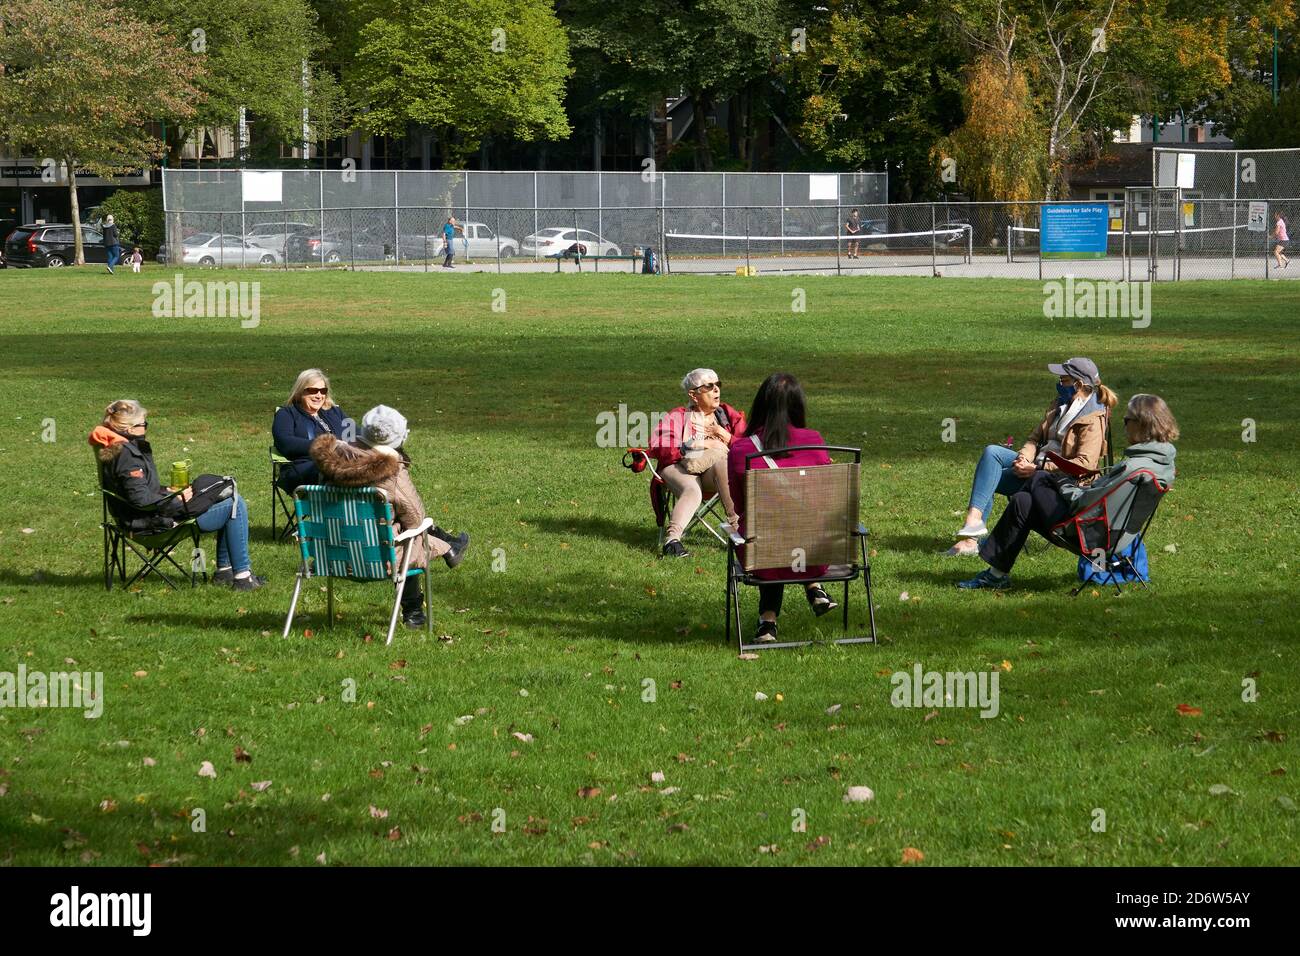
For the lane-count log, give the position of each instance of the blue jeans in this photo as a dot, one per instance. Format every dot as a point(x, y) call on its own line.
point(994, 474)
point(232, 533)
point(114, 255)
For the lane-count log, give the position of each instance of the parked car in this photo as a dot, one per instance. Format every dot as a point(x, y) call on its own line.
point(563, 241)
point(53, 245)
point(212, 249)
point(274, 235)
point(334, 247)
point(478, 241)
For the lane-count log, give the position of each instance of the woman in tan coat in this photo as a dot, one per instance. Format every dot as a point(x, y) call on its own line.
point(379, 460)
point(1074, 429)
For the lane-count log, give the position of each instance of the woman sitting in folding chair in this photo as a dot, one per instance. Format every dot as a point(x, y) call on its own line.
point(1075, 428)
point(777, 420)
point(309, 412)
point(690, 444)
point(1051, 497)
point(139, 503)
point(379, 460)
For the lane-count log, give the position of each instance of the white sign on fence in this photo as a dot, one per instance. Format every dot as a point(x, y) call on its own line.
point(1257, 217)
point(262, 187)
point(824, 187)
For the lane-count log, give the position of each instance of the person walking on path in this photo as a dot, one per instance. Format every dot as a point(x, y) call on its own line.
point(448, 234)
point(1280, 239)
point(853, 227)
point(112, 246)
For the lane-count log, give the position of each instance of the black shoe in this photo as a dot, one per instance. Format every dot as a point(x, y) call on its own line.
point(250, 583)
point(674, 549)
point(459, 545)
point(819, 600)
point(414, 617)
point(766, 632)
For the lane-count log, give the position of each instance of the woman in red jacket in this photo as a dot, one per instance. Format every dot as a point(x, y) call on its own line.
point(777, 420)
point(690, 445)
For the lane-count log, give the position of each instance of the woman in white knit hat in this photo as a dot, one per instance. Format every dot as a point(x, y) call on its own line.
point(379, 460)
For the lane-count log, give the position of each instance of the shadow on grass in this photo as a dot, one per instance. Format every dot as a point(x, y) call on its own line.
point(636, 536)
point(53, 579)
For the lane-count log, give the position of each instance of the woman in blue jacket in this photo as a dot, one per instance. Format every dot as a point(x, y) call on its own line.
point(310, 412)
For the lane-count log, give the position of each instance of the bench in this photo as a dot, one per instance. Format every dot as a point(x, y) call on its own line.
point(634, 260)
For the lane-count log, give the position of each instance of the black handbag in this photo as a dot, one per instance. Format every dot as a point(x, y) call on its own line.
point(208, 490)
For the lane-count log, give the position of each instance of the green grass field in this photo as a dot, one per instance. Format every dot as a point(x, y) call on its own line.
point(503, 408)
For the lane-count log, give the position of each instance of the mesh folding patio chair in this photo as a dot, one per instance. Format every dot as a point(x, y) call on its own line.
point(1108, 531)
point(153, 548)
point(348, 533)
point(797, 518)
point(280, 499)
point(662, 498)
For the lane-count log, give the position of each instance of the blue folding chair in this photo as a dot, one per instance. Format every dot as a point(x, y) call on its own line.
point(348, 533)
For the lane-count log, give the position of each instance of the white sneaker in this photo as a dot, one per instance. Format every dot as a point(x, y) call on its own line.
point(973, 531)
point(963, 548)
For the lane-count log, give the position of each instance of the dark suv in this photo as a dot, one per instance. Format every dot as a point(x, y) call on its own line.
point(52, 245)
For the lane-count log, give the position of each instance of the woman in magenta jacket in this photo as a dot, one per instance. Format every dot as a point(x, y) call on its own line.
point(777, 420)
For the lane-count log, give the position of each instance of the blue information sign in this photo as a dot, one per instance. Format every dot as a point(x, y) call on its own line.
point(1075, 230)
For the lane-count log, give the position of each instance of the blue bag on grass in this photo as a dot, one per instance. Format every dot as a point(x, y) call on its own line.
point(1137, 552)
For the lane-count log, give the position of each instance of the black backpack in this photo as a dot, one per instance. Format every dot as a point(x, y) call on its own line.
point(649, 262)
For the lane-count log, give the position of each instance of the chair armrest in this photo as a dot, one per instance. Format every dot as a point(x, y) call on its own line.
point(730, 532)
point(861, 530)
point(424, 526)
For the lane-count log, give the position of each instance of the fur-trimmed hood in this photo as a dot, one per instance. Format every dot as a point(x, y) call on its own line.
point(351, 466)
point(107, 443)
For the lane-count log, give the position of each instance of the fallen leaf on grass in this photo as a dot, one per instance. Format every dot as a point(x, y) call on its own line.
point(1220, 790)
point(1187, 710)
point(769, 848)
point(321, 859)
point(941, 741)
point(377, 814)
point(833, 709)
point(1286, 803)
point(1272, 736)
point(759, 695)
point(141, 674)
point(657, 777)
point(859, 795)
point(523, 738)
point(748, 657)
point(930, 716)
point(242, 755)
point(817, 843)
point(668, 791)
point(588, 792)
point(260, 785)
point(207, 770)
point(912, 855)
point(395, 833)
point(108, 806)
point(678, 828)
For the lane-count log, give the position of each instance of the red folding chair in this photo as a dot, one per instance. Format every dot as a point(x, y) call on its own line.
point(662, 498)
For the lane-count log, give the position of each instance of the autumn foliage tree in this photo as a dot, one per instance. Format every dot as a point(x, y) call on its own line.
point(81, 81)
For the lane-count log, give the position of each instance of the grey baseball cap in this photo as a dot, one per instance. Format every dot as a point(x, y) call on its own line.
point(1083, 369)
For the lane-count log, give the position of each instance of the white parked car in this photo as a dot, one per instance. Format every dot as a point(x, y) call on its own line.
point(274, 235)
point(209, 249)
point(559, 241)
point(474, 240)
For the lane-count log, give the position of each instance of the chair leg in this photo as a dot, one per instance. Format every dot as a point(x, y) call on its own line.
point(846, 605)
point(293, 603)
point(108, 576)
point(866, 576)
point(428, 601)
point(397, 607)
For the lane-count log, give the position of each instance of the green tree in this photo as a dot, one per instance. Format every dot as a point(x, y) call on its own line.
point(466, 71)
point(81, 80)
point(254, 53)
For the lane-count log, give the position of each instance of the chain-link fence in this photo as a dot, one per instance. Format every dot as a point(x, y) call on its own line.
point(696, 223)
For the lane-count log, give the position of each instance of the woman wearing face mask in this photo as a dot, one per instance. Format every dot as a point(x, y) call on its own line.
point(310, 412)
point(1074, 428)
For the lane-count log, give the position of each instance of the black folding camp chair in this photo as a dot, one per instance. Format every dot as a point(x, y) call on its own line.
point(280, 500)
point(1109, 530)
point(800, 517)
point(153, 548)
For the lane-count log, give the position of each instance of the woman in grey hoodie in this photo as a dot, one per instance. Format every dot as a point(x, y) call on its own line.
point(1050, 498)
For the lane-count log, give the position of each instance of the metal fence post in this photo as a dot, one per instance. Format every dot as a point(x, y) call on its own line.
point(724, 213)
point(1040, 241)
point(839, 218)
point(535, 214)
point(577, 246)
point(934, 252)
point(221, 242)
point(747, 266)
point(498, 240)
point(352, 238)
point(397, 225)
point(837, 251)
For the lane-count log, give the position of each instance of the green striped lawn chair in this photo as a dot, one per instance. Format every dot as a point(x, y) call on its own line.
point(348, 533)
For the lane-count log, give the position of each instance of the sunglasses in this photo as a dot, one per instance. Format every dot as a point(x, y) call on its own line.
point(710, 387)
point(144, 425)
point(315, 391)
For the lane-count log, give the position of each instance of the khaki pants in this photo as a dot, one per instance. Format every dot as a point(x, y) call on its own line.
point(690, 490)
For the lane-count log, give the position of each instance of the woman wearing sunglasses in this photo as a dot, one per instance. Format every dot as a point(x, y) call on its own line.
point(139, 502)
point(310, 412)
point(690, 444)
